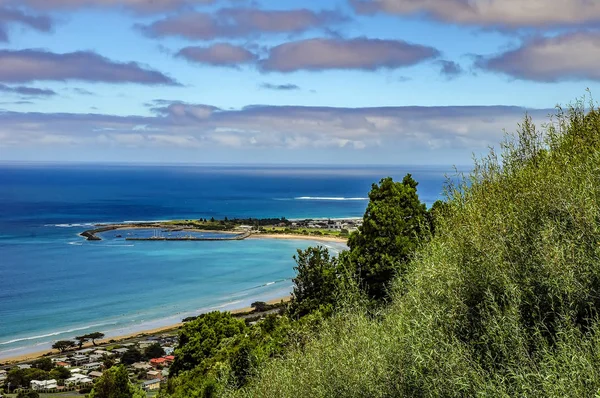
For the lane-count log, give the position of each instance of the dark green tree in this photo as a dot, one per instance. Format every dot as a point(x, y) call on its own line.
point(81, 340)
point(201, 338)
point(114, 383)
point(16, 378)
point(132, 355)
point(60, 373)
point(94, 336)
point(43, 363)
point(393, 225)
point(315, 281)
point(154, 351)
point(63, 345)
point(260, 306)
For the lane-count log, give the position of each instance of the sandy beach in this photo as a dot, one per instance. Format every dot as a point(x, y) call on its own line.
point(120, 339)
point(300, 237)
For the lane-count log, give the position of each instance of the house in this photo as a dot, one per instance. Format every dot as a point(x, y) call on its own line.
point(22, 367)
point(77, 379)
point(2, 376)
point(158, 362)
point(141, 365)
point(75, 370)
point(85, 351)
point(169, 350)
point(91, 366)
point(37, 385)
point(95, 374)
point(146, 343)
point(96, 357)
point(169, 358)
point(78, 360)
point(102, 352)
point(151, 385)
point(120, 351)
point(63, 364)
point(154, 374)
point(61, 359)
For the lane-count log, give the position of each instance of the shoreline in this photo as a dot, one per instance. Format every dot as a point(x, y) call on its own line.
point(15, 359)
point(318, 238)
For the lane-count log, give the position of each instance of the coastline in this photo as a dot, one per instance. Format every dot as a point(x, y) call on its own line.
point(123, 338)
point(299, 237)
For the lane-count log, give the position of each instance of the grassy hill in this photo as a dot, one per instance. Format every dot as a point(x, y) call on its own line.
point(502, 301)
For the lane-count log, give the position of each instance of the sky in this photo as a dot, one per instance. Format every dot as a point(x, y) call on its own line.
point(285, 81)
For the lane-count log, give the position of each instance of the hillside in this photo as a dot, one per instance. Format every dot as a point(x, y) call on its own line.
point(502, 301)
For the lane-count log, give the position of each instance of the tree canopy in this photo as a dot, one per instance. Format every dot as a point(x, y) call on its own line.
point(393, 225)
point(114, 383)
point(63, 345)
point(200, 339)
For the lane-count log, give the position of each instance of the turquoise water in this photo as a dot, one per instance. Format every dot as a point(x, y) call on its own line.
point(55, 285)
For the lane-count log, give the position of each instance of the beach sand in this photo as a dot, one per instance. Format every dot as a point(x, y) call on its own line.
point(299, 237)
point(121, 339)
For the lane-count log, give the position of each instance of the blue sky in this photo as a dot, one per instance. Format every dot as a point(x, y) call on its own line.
point(347, 81)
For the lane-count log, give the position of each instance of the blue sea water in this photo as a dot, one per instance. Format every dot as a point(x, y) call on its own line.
point(55, 285)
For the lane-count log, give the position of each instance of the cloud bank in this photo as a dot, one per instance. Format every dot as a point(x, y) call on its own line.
point(504, 14)
point(220, 54)
point(28, 91)
point(9, 16)
point(36, 65)
point(142, 6)
point(240, 23)
point(359, 53)
point(573, 56)
point(177, 124)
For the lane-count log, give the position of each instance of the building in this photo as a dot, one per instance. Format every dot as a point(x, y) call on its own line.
point(24, 366)
point(154, 374)
point(151, 385)
point(141, 365)
point(77, 379)
point(63, 364)
point(91, 366)
point(78, 360)
point(169, 358)
point(120, 351)
point(158, 362)
point(37, 385)
point(95, 374)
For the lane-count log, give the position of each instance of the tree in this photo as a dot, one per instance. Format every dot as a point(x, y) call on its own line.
point(114, 383)
point(315, 281)
point(393, 226)
point(201, 338)
point(43, 363)
point(63, 345)
point(16, 378)
point(132, 355)
point(154, 351)
point(94, 336)
point(60, 373)
point(260, 306)
point(81, 340)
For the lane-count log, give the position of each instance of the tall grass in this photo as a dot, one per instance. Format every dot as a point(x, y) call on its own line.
point(503, 301)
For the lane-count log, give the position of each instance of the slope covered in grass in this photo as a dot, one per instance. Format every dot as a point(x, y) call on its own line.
point(503, 301)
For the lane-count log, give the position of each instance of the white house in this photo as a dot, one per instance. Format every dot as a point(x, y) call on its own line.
point(91, 366)
point(77, 379)
point(37, 385)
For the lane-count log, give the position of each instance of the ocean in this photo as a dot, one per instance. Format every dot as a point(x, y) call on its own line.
point(54, 285)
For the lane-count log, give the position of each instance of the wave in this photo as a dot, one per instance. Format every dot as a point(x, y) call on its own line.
point(73, 225)
point(41, 336)
point(328, 198)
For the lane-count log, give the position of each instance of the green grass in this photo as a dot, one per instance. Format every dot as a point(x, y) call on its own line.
point(502, 302)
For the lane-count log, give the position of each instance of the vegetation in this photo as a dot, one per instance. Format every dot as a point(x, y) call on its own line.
point(63, 345)
point(502, 301)
point(154, 351)
point(114, 383)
